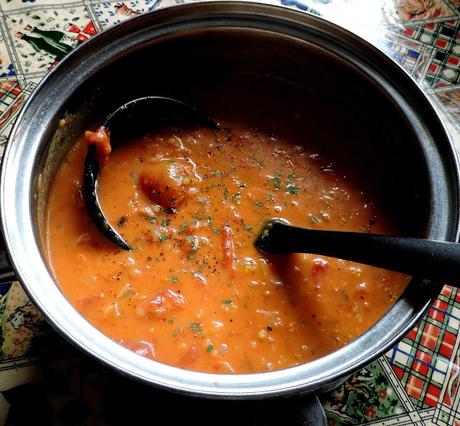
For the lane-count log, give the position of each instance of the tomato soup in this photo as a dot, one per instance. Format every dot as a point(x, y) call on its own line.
point(194, 292)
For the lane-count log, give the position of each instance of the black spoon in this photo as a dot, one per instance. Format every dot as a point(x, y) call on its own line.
point(435, 260)
point(133, 118)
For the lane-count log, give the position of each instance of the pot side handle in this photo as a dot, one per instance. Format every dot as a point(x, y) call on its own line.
point(307, 411)
point(7, 273)
point(302, 410)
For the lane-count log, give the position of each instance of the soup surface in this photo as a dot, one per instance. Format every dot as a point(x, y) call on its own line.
point(194, 292)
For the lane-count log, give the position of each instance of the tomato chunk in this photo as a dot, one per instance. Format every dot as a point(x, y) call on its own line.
point(161, 304)
point(164, 184)
point(101, 139)
point(141, 347)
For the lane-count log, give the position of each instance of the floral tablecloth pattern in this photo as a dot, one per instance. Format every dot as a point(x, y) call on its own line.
point(45, 381)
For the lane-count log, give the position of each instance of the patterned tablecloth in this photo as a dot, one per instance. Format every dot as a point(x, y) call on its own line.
point(45, 381)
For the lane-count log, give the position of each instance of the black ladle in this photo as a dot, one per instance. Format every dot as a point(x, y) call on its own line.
point(435, 260)
point(133, 118)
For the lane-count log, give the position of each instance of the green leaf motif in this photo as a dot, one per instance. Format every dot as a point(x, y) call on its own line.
point(364, 397)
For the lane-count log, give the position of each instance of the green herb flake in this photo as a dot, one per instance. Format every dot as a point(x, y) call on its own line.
point(291, 176)
point(259, 204)
point(153, 219)
point(248, 228)
point(170, 321)
point(209, 348)
point(270, 197)
point(227, 302)
point(217, 173)
point(177, 331)
point(196, 218)
point(192, 256)
point(173, 279)
point(261, 164)
point(292, 189)
point(216, 230)
point(276, 180)
point(165, 223)
point(276, 183)
point(183, 228)
point(237, 198)
point(163, 237)
point(196, 328)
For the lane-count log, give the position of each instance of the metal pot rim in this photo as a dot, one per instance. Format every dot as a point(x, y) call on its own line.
point(16, 200)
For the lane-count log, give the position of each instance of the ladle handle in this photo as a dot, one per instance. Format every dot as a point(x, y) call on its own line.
point(435, 260)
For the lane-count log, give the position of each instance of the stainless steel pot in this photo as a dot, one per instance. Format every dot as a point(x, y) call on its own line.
point(164, 53)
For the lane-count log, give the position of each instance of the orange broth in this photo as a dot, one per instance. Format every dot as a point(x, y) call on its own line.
point(194, 292)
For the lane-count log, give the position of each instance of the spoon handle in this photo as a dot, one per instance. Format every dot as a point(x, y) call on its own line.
point(436, 260)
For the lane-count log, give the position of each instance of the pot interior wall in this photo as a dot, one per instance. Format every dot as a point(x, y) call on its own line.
point(337, 100)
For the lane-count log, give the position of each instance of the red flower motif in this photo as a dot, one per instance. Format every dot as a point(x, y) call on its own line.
point(383, 393)
point(89, 28)
point(370, 412)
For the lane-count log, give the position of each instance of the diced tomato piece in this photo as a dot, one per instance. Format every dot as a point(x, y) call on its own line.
point(161, 304)
point(100, 138)
point(163, 184)
point(189, 357)
point(87, 300)
point(141, 347)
